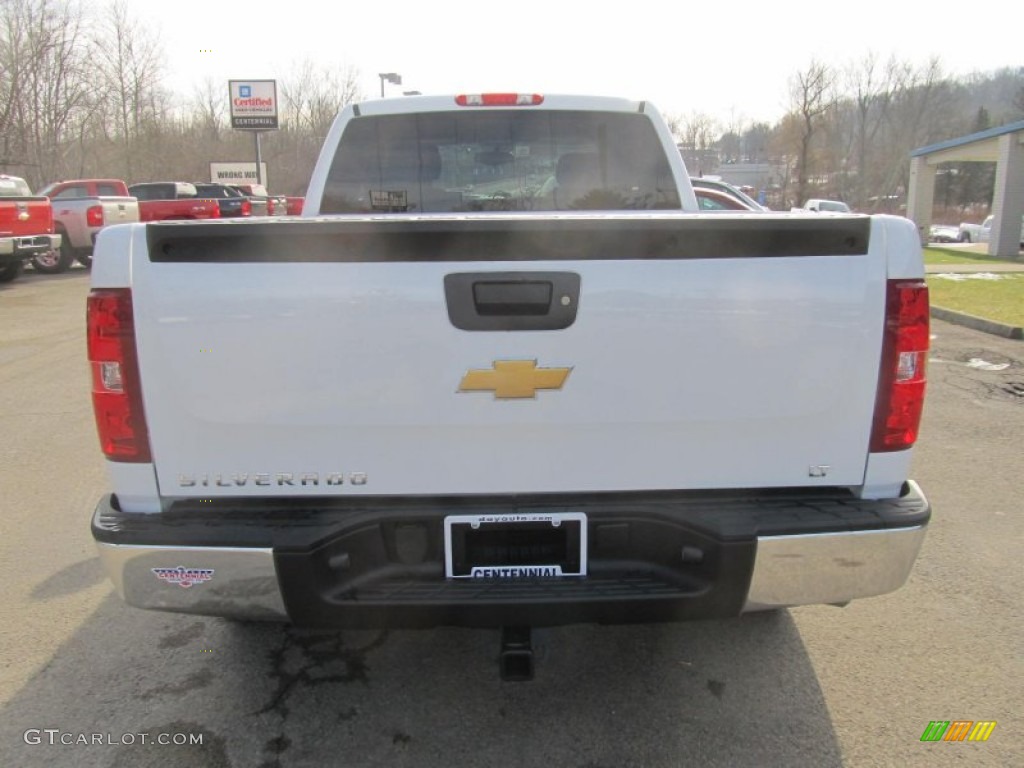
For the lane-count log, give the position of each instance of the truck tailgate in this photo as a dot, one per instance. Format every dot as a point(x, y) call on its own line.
point(24, 216)
point(119, 210)
point(322, 357)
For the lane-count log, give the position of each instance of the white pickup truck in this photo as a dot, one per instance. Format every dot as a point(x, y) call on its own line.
point(503, 374)
point(823, 206)
point(980, 233)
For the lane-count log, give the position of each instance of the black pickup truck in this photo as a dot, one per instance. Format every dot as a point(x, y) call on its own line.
point(233, 204)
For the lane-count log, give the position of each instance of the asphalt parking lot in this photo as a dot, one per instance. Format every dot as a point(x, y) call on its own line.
point(812, 686)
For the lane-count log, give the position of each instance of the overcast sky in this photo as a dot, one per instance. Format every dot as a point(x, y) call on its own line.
point(731, 60)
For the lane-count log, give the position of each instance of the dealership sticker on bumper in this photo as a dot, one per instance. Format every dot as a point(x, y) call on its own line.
point(182, 576)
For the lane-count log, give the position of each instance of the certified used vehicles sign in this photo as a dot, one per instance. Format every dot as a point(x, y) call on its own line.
point(253, 104)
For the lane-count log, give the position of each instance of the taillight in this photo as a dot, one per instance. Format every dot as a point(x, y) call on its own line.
point(94, 216)
point(901, 380)
point(246, 209)
point(499, 100)
point(270, 206)
point(116, 387)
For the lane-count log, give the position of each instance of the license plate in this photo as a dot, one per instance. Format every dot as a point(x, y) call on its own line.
point(516, 546)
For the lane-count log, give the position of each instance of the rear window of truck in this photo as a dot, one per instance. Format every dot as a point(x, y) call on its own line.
point(14, 187)
point(499, 160)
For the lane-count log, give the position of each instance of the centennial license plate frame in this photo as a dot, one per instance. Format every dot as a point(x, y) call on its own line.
point(516, 545)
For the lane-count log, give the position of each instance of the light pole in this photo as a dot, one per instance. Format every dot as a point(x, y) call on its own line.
point(392, 77)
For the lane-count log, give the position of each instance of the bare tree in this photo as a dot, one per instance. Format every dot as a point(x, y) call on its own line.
point(207, 109)
point(699, 132)
point(811, 96)
point(783, 145)
point(14, 63)
point(920, 112)
point(59, 85)
point(130, 62)
point(311, 97)
point(755, 142)
point(872, 87)
point(675, 124)
point(730, 143)
point(43, 84)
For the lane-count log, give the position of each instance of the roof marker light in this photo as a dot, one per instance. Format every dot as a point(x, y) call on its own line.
point(499, 99)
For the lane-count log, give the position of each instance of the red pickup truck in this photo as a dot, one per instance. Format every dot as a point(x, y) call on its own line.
point(81, 208)
point(164, 200)
point(26, 226)
point(295, 205)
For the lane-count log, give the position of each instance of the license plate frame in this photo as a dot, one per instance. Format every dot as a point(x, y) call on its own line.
point(521, 545)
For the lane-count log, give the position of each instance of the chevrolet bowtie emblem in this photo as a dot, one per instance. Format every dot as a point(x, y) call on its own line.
point(510, 379)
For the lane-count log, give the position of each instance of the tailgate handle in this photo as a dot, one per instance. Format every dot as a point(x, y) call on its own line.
point(512, 301)
point(512, 297)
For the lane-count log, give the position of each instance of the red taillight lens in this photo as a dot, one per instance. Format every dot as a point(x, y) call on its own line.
point(901, 380)
point(246, 207)
point(116, 388)
point(270, 206)
point(499, 100)
point(94, 216)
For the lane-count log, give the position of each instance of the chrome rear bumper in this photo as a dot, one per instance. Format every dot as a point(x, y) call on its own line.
point(214, 581)
point(242, 582)
point(831, 567)
point(373, 563)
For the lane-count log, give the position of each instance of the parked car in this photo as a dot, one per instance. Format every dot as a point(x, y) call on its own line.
point(724, 188)
point(943, 233)
point(713, 201)
point(826, 206)
point(26, 226)
point(275, 205)
point(233, 204)
point(163, 200)
point(81, 208)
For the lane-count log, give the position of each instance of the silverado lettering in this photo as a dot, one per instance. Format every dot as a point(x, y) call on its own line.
point(262, 478)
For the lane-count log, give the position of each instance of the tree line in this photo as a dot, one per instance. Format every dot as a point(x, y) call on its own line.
point(82, 95)
point(849, 130)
